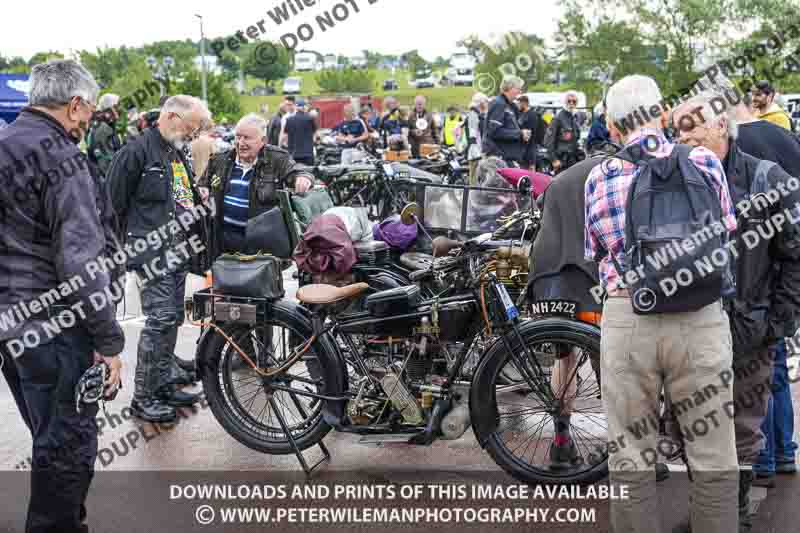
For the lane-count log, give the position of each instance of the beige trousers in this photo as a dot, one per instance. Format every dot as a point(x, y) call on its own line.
point(689, 355)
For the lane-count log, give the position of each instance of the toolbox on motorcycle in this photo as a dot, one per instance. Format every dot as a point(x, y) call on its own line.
point(397, 155)
point(372, 252)
point(399, 301)
point(255, 276)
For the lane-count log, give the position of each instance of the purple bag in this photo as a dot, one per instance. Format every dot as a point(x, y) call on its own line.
point(393, 232)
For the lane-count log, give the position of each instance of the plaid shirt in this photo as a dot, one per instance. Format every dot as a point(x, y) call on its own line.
point(606, 196)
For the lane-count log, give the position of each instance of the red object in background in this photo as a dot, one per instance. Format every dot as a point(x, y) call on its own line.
point(539, 181)
point(331, 110)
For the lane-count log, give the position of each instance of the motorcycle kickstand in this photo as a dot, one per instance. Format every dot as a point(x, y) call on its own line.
point(298, 453)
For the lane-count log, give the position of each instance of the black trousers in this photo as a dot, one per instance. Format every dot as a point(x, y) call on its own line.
point(162, 304)
point(42, 381)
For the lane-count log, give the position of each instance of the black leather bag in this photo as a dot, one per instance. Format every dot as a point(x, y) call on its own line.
point(255, 276)
point(267, 233)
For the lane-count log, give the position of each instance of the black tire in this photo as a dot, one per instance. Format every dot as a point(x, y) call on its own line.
point(486, 415)
point(218, 378)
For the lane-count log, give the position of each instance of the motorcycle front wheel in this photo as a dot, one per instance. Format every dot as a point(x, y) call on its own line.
point(514, 417)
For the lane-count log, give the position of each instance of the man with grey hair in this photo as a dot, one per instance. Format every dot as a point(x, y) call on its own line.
point(152, 187)
point(563, 134)
point(767, 301)
point(244, 182)
point(390, 124)
point(503, 137)
point(679, 352)
point(103, 141)
point(765, 140)
point(50, 229)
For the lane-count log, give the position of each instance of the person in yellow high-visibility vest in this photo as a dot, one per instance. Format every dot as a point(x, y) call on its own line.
point(452, 127)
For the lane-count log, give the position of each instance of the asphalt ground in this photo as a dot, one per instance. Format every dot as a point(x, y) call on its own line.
point(139, 465)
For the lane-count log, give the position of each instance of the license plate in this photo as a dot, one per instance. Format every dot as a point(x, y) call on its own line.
point(554, 307)
point(455, 165)
point(230, 312)
point(511, 309)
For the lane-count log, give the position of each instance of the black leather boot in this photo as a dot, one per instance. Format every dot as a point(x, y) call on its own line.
point(154, 411)
point(182, 372)
point(172, 395)
point(745, 482)
point(145, 405)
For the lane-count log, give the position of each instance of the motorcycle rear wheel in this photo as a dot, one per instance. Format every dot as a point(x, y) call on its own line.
point(249, 416)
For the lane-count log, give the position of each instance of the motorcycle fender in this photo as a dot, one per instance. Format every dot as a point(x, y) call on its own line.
point(334, 368)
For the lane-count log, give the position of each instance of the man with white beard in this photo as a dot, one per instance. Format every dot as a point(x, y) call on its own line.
point(152, 185)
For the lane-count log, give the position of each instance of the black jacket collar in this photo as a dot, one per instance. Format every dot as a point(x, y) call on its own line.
point(48, 118)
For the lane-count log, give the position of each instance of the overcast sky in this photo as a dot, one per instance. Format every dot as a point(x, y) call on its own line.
point(388, 26)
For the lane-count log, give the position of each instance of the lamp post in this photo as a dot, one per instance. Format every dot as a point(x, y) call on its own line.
point(203, 59)
point(161, 71)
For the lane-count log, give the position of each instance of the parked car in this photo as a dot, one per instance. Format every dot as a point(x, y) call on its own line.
point(424, 78)
point(292, 85)
point(262, 91)
point(390, 85)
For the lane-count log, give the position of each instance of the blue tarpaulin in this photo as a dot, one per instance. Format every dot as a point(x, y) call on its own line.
point(13, 95)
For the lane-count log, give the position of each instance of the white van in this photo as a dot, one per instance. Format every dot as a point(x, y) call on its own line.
point(292, 85)
point(305, 61)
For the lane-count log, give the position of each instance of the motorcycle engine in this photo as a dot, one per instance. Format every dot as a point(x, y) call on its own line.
point(409, 371)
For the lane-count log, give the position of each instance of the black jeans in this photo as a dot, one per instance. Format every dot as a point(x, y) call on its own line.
point(42, 381)
point(162, 304)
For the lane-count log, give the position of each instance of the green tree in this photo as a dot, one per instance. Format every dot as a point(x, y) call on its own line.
point(347, 80)
point(136, 86)
point(414, 61)
point(110, 64)
point(520, 54)
point(270, 66)
point(593, 49)
point(44, 57)
point(693, 28)
point(14, 65)
point(183, 52)
point(222, 99)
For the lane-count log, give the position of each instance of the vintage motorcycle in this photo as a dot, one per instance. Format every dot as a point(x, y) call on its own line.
point(389, 373)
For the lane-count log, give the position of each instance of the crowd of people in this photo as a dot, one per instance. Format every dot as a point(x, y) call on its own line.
point(729, 339)
point(172, 167)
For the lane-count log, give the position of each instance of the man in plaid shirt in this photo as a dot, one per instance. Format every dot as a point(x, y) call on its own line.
point(683, 353)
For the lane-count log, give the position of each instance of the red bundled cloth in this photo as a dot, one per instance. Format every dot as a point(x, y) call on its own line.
point(326, 247)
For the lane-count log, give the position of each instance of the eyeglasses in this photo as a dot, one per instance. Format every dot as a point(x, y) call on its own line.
point(572, 101)
point(195, 133)
point(92, 107)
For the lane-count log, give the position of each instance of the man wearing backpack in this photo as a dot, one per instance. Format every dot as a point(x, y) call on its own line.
point(767, 273)
point(658, 333)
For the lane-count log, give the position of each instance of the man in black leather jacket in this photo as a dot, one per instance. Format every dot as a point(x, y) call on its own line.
point(153, 193)
point(503, 137)
point(249, 175)
point(563, 135)
point(51, 229)
point(766, 265)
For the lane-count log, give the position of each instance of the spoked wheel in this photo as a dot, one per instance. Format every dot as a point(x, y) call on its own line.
point(352, 191)
point(519, 406)
point(258, 410)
